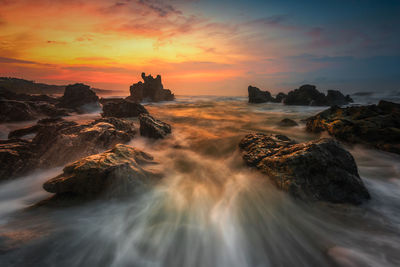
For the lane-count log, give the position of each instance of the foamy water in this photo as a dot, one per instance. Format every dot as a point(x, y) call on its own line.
point(209, 209)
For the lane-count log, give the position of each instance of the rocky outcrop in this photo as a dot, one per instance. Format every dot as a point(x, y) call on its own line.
point(318, 170)
point(258, 96)
point(16, 156)
point(280, 97)
point(116, 172)
point(8, 95)
point(59, 142)
point(336, 98)
point(151, 89)
point(153, 128)
point(287, 123)
point(374, 125)
point(123, 109)
point(308, 95)
point(78, 95)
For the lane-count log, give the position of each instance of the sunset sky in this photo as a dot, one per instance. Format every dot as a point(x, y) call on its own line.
point(204, 47)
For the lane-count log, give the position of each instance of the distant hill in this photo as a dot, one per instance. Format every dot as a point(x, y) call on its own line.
point(30, 87)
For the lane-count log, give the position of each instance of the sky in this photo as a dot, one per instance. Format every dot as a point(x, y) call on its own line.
point(204, 47)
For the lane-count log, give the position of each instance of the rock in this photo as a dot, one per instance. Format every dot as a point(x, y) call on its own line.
point(287, 123)
point(151, 90)
point(374, 125)
point(11, 110)
point(33, 129)
point(8, 95)
point(258, 96)
point(306, 95)
point(336, 98)
point(153, 128)
point(317, 170)
point(58, 142)
point(280, 97)
point(123, 108)
point(116, 172)
point(104, 101)
point(77, 95)
point(16, 157)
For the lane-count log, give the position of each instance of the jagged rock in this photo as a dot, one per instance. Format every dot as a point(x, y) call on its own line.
point(308, 95)
point(33, 129)
point(153, 128)
point(116, 172)
point(373, 125)
point(258, 96)
point(287, 123)
point(104, 101)
point(8, 95)
point(11, 110)
point(151, 90)
point(58, 142)
point(336, 98)
point(123, 109)
point(280, 97)
point(16, 156)
point(317, 170)
point(78, 95)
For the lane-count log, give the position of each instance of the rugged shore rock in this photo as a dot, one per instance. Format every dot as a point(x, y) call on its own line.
point(374, 125)
point(123, 109)
point(116, 172)
point(151, 89)
point(58, 142)
point(78, 95)
point(287, 123)
point(318, 170)
point(258, 96)
point(153, 128)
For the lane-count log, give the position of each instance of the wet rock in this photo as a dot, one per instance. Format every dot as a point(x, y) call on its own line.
point(123, 109)
point(33, 129)
point(16, 156)
point(306, 95)
point(11, 110)
point(336, 98)
point(280, 97)
point(258, 96)
point(116, 172)
point(317, 170)
point(287, 123)
point(58, 142)
point(151, 89)
point(78, 95)
point(374, 125)
point(153, 128)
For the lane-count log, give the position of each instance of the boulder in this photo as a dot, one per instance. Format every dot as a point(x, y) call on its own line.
point(336, 98)
point(123, 109)
point(16, 157)
point(373, 125)
point(287, 123)
point(11, 110)
point(153, 128)
point(258, 96)
point(306, 95)
point(58, 142)
point(318, 170)
point(78, 95)
point(280, 97)
point(151, 89)
point(116, 172)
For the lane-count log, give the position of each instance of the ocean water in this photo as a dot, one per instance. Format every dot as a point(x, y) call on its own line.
point(209, 209)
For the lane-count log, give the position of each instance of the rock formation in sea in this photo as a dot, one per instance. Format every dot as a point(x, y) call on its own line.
point(58, 142)
point(123, 109)
point(258, 96)
point(287, 123)
point(23, 107)
point(78, 95)
point(153, 128)
point(117, 172)
point(151, 89)
point(373, 125)
point(319, 170)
